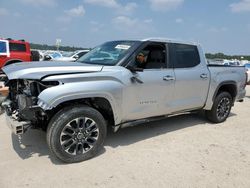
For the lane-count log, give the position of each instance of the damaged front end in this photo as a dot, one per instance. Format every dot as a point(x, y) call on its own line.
point(26, 84)
point(21, 109)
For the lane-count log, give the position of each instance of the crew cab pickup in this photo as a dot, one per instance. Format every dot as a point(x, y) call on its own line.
point(118, 84)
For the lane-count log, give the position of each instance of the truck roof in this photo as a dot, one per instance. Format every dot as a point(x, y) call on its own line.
point(169, 41)
point(21, 41)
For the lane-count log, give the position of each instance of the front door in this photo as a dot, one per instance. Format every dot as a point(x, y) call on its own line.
point(149, 91)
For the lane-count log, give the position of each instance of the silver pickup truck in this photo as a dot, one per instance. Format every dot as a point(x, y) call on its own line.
point(117, 84)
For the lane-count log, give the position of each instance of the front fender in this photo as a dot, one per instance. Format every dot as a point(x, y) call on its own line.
point(110, 90)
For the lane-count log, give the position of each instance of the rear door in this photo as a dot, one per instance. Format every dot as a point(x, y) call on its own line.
point(192, 77)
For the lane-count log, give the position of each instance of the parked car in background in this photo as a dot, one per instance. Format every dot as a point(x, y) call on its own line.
point(15, 51)
point(248, 72)
point(51, 55)
point(71, 56)
point(40, 54)
point(232, 63)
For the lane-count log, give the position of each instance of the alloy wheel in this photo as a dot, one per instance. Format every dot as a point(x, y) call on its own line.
point(223, 108)
point(79, 136)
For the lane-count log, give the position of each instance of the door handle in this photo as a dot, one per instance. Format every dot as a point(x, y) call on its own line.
point(168, 78)
point(203, 76)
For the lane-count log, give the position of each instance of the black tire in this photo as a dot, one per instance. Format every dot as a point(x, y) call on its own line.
point(68, 121)
point(221, 108)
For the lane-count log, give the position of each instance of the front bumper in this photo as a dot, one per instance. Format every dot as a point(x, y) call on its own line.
point(17, 127)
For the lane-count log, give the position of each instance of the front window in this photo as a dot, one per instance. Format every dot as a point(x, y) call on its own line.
point(109, 53)
point(153, 56)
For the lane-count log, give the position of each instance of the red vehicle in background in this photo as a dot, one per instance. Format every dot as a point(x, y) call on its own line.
point(15, 51)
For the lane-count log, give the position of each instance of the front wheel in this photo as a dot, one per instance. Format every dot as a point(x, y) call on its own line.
point(76, 134)
point(221, 108)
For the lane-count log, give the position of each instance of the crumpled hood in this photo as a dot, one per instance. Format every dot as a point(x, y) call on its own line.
point(40, 69)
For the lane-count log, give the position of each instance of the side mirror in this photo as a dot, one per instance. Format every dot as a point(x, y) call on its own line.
point(134, 69)
point(76, 56)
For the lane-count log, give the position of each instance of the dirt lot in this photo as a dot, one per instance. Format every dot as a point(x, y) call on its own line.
point(184, 151)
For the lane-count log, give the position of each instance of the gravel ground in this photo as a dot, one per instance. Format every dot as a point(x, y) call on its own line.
point(184, 151)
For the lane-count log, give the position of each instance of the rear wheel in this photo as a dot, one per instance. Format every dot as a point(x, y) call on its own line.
point(221, 108)
point(76, 134)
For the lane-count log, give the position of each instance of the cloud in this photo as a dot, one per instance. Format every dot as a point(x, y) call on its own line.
point(165, 5)
point(3, 12)
point(125, 21)
point(71, 13)
point(45, 30)
point(96, 26)
point(127, 9)
point(64, 19)
point(217, 29)
point(76, 12)
point(242, 6)
point(130, 7)
point(48, 3)
point(17, 14)
point(121, 9)
point(148, 21)
point(105, 3)
point(179, 20)
point(132, 26)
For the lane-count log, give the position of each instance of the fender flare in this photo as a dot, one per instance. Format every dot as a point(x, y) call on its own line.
point(55, 103)
point(231, 82)
point(50, 98)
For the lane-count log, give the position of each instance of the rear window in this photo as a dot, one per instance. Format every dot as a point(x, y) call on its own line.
point(185, 56)
point(16, 47)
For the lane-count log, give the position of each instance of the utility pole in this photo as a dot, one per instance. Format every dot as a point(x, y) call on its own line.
point(58, 42)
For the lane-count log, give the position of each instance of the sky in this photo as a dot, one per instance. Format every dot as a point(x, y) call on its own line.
point(218, 25)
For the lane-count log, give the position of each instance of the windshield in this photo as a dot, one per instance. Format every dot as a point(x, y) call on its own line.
point(109, 53)
point(55, 54)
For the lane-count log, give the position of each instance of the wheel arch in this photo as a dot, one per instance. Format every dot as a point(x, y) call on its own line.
point(227, 86)
point(100, 103)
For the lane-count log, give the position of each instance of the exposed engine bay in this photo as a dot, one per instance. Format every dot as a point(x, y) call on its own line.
point(21, 102)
